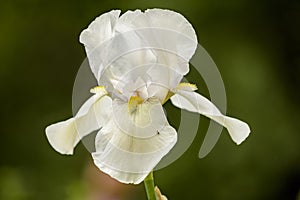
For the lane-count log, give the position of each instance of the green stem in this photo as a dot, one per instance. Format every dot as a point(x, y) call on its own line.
point(149, 186)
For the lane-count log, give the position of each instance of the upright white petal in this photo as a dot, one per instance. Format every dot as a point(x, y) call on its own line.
point(130, 159)
point(172, 20)
point(161, 79)
point(64, 136)
point(127, 68)
point(126, 21)
point(171, 35)
point(194, 102)
point(116, 45)
point(152, 80)
point(100, 31)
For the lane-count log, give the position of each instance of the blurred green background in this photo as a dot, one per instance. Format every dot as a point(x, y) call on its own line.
point(255, 44)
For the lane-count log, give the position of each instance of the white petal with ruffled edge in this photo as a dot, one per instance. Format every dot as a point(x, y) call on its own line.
point(100, 31)
point(194, 102)
point(130, 159)
point(111, 36)
point(168, 19)
point(94, 113)
point(172, 36)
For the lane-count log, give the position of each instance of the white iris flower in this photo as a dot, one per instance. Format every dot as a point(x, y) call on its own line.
point(126, 107)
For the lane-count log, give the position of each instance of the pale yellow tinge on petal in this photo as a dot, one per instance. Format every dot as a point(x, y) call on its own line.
point(98, 90)
point(186, 87)
point(180, 86)
point(133, 102)
point(169, 95)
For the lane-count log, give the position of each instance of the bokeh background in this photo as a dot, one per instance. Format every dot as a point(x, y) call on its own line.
point(256, 46)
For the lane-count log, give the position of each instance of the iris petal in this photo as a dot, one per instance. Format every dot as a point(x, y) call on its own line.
point(130, 159)
point(64, 136)
point(194, 102)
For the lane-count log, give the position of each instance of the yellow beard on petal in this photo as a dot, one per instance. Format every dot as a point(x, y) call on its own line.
point(98, 90)
point(186, 86)
point(133, 102)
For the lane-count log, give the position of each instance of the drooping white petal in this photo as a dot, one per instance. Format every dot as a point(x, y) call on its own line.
point(194, 102)
point(94, 113)
point(63, 136)
point(127, 158)
point(141, 120)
